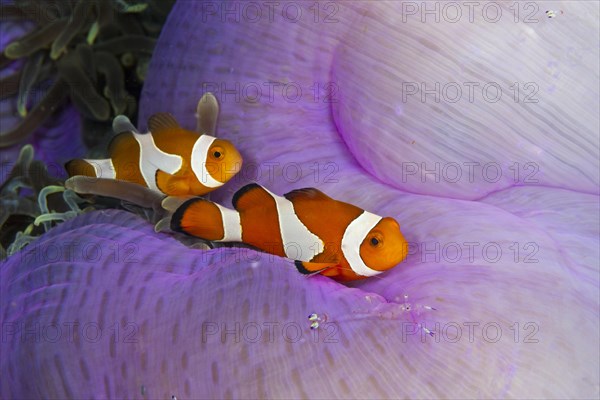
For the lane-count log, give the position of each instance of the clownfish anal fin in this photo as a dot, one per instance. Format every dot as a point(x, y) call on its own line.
point(160, 122)
point(311, 268)
point(249, 195)
point(306, 193)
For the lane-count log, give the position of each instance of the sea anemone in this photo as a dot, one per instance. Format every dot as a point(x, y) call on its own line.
point(93, 54)
point(66, 69)
point(30, 203)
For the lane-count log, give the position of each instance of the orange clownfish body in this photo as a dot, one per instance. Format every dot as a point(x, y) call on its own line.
point(322, 235)
point(169, 158)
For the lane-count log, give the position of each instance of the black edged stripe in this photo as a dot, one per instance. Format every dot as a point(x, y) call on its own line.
point(178, 215)
point(301, 268)
point(156, 181)
point(242, 191)
point(69, 167)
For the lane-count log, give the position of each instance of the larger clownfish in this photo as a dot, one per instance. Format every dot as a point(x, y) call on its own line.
point(322, 235)
point(169, 158)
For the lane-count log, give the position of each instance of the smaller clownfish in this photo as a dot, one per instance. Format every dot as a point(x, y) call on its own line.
point(321, 234)
point(168, 159)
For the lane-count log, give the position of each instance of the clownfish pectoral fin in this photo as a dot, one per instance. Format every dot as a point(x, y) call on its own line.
point(162, 122)
point(249, 196)
point(311, 268)
point(306, 193)
point(171, 185)
point(122, 124)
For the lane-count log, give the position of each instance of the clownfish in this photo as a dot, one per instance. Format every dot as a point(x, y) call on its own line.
point(168, 159)
point(320, 234)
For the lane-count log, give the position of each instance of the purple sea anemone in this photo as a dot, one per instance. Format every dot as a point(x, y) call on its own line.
point(498, 195)
point(92, 53)
point(57, 140)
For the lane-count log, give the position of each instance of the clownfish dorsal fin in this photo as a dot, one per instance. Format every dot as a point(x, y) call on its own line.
point(207, 113)
point(250, 195)
point(122, 124)
point(162, 122)
point(306, 194)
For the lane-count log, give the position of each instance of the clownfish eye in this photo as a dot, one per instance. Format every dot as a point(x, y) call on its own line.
point(217, 153)
point(376, 241)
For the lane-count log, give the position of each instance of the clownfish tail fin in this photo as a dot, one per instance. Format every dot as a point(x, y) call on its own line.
point(199, 217)
point(183, 217)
